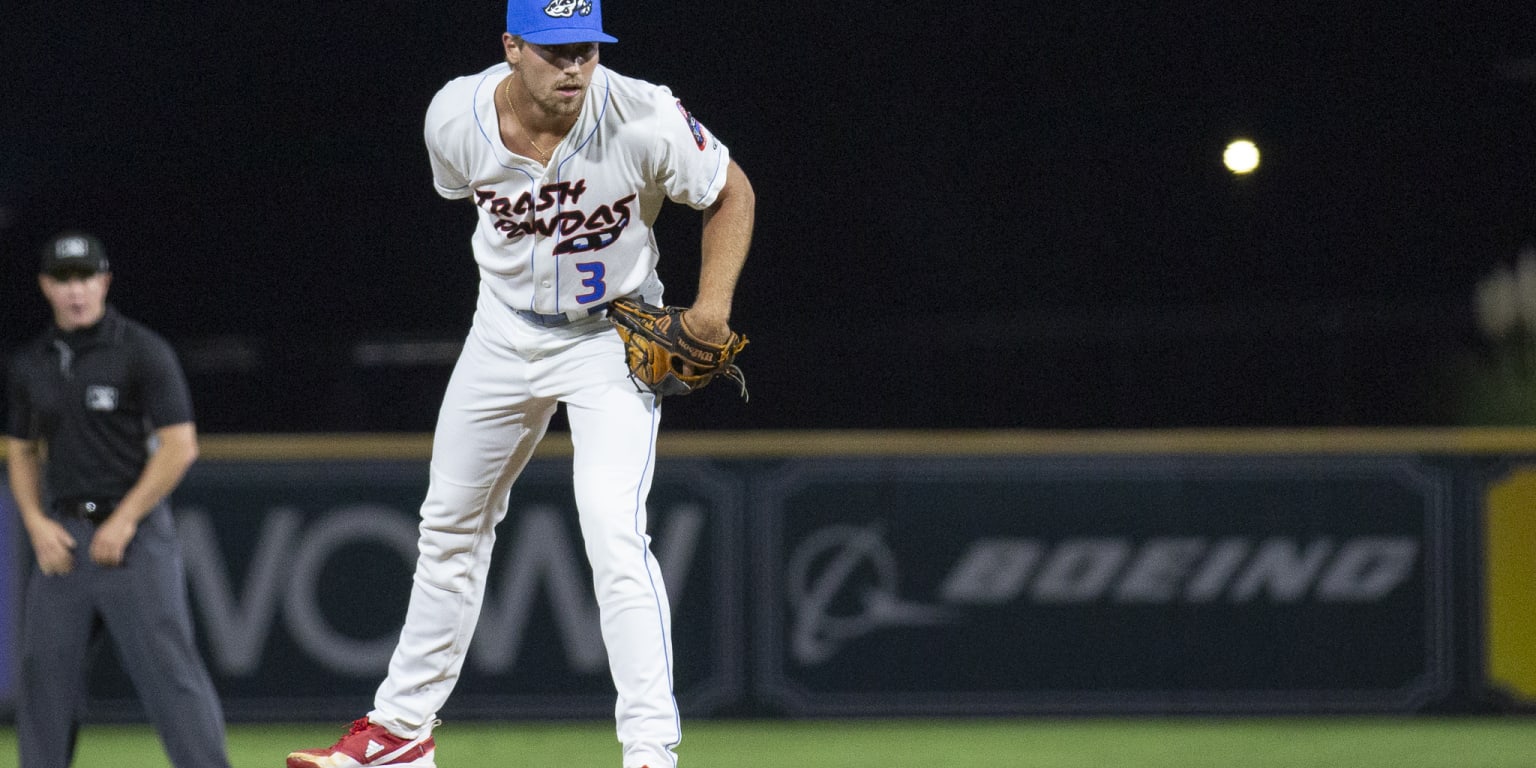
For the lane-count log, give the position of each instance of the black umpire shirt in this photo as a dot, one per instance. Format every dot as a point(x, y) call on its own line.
point(95, 396)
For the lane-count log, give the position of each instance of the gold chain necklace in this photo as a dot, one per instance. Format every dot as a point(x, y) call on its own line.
point(526, 133)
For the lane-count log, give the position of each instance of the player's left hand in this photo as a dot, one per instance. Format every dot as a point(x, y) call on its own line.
point(705, 326)
point(674, 351)
point(110, 542)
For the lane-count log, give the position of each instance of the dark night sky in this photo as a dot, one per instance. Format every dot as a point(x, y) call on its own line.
point(974, 215)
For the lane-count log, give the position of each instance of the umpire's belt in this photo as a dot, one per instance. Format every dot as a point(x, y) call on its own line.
point(559, 318)
point(94, 510)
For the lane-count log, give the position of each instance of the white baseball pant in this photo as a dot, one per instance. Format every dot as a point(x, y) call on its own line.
point(504, 389)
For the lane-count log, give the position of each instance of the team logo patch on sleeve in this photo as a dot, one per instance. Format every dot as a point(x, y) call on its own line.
point(693, 125)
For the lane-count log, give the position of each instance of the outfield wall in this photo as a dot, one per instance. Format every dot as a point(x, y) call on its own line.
point(900, 573)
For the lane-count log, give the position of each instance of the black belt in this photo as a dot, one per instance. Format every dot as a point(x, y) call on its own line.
point(558, 319)
point(94, 510)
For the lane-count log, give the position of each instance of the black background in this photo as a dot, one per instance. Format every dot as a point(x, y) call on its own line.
point(969, 214)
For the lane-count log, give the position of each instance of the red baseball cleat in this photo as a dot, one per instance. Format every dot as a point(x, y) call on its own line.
point(365, 746)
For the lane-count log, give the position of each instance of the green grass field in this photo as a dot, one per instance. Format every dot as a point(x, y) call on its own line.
point(1016, 743)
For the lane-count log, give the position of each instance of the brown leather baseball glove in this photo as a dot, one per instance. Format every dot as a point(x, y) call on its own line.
point(668, 359)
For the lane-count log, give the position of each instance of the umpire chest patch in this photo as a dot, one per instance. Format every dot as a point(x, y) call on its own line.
point(101, 398)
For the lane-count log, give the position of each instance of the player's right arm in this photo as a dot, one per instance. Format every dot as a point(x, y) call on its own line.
point(451, 106)
point(51, 543)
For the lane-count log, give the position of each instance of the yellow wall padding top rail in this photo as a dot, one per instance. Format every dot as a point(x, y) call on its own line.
point(776, 444)
point(855, 443)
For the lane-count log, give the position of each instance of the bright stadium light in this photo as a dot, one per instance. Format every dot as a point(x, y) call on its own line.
point(1241, 156)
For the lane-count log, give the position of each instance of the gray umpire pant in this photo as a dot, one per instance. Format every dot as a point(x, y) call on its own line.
point(143, 607)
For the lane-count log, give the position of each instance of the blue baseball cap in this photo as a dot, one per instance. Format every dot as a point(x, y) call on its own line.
point(557, 22)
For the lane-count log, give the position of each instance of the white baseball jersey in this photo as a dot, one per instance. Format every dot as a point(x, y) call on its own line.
point(575, 234)
point(557, 239)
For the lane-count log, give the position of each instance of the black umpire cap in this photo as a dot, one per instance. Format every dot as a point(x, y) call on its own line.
point(74, 253)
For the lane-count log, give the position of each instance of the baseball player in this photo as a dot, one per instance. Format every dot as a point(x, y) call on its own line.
point(567, 164)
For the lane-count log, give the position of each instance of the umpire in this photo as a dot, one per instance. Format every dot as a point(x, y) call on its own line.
point(104, 399)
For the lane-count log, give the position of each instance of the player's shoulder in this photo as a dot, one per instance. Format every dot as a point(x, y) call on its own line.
point(465, 86)
point(457, 98)
point(629, 87)
point(632, 96)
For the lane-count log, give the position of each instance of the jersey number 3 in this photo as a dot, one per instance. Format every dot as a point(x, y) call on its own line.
point(595, 271)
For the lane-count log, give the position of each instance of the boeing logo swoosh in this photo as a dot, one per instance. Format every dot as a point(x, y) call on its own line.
point(850, 568)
